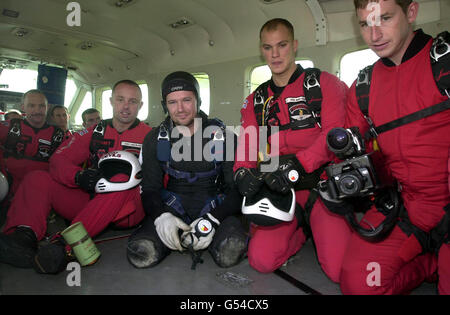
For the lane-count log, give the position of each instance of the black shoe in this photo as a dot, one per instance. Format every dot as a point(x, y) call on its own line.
point(141, 253)
point(51, 258)
point(18, 248)
point(229, 245)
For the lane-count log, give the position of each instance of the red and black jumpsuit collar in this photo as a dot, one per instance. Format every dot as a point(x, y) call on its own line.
point(419, 41)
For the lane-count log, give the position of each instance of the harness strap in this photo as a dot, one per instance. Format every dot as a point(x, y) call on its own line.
point(431, 241)
point(189, 176)
point(173, 201)
point(313, 95)
point(44, 150)
point(418, 115)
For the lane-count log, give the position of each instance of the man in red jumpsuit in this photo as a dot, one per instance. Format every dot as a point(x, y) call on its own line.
point(271, 246)
point(415, 154)
point(27, 144)
point(68, 188)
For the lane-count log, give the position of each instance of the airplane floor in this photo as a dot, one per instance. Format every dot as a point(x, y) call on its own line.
point(112, 274)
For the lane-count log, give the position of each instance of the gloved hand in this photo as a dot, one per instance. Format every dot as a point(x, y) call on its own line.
point(87, 178)
point(286, 176)
point(167, 226)
point(248, 180)
point(201, 233)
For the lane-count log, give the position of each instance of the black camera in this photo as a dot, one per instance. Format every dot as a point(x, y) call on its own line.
point(355, 176)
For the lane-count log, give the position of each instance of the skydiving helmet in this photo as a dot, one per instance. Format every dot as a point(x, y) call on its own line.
point(180, 81)
point(118, 162)
point(269, 208)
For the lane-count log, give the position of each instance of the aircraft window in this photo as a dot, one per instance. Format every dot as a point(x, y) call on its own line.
point(107, 111)
point(353, 62)
point(18, 80)
point(23, 80)
point(261, 74)
point(71, 88)
point(203, 81)
point(87, 103)
point(106, 105)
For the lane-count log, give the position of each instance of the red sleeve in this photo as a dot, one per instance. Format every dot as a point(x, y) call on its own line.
point(67, 160)
point(247, 148)
point(334, 95)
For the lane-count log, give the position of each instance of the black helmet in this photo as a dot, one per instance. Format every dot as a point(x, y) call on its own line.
point(180, 81)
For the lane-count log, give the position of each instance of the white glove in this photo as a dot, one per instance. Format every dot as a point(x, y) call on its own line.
point(201, 232)
point(167, 226)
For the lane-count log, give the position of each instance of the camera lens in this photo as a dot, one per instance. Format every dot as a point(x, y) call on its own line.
point(350, 184)
point(338, 140)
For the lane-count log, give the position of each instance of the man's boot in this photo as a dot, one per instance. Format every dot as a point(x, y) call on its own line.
point(144, 248)
point(18, 248)
point(229, 246)
point(52, 258)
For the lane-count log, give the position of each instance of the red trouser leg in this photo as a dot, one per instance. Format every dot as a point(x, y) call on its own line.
point(331, 234)
point(124, 208)
point(39, 193)
point(270, 247)
point(35, 198)
point(444, 269)
point(376, 268)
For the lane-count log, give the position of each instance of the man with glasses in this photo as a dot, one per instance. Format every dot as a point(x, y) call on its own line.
point(69, 189)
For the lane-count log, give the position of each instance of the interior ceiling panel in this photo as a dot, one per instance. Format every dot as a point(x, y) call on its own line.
point(139, 35)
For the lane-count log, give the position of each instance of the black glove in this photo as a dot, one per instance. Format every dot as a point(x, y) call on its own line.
point(87, 179)
point(289, 172)
point(248, 180)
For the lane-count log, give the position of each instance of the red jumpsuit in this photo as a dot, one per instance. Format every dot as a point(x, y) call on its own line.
point(417, 156)
point(41, 191)
point(270, 247)
point(29, 153)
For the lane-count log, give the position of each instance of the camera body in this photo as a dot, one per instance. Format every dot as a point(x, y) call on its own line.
point(356, 175)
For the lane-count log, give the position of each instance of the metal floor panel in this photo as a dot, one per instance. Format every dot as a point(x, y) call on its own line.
point(112, 274)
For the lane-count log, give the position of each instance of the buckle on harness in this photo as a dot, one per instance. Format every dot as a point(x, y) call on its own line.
point(100, 129)
point(15, 130)
point(163, 134)
point(440, 49)
point(363, 78)
point(372, 131)
point(259, 98)
point(218, 136)
point(311, 81)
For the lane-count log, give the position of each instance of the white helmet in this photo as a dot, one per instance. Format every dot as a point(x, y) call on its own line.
point(4, 186)
point(118, 162)
point(268, 207)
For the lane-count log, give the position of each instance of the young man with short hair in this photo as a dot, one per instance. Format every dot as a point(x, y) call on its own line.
point(303, 121)
point(415, 155)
